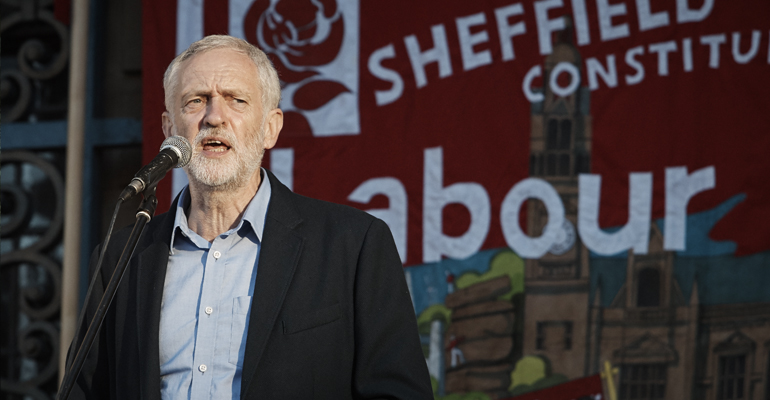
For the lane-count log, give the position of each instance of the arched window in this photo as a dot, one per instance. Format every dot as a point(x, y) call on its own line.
point(648, 288)
point(565, 140)
point(552, 141)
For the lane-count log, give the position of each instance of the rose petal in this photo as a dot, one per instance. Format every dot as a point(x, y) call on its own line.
point(299, 14)
point(295, 125)
point(324, 52)
point(317, 93)
point(251, 20)
point(288, 75)
point(330, 7)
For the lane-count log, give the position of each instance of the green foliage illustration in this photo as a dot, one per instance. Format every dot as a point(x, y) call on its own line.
point(533, 373)
point(430, 314)
point(505, 263)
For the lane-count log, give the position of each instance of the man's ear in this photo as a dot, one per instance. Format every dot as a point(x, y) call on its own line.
point(167, 124)
point(273, 128)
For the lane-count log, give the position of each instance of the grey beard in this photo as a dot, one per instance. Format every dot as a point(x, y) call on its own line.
point(231, 173)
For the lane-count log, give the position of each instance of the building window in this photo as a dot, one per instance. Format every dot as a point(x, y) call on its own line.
point(582, 163)
point(642, 381)
point(564, 164)
point(558, 145)
point(732, 374)
point(767, 376)
point(540, 339)
point(648, 288)
point(565, 141)
point(552, 141)
point(559, 332)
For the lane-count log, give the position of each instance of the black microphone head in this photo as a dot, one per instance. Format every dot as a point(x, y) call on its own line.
point(181, 147)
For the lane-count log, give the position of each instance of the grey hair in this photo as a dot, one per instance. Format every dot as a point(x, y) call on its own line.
point(268, 76)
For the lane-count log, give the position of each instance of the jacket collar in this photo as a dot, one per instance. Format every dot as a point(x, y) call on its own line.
point(278, 258)
point(281, 247)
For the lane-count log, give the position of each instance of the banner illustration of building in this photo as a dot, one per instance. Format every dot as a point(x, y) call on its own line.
point(568, 181)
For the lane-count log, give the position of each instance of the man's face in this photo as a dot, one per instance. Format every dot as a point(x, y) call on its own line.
point(217, 106)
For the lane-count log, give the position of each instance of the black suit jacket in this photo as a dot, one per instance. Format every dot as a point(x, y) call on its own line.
point(331, 316)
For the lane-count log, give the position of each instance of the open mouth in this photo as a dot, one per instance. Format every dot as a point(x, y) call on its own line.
point(215, 145)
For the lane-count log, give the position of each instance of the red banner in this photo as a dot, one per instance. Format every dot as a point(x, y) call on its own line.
point(639, 128)
point(588, 388)
point(444, 95)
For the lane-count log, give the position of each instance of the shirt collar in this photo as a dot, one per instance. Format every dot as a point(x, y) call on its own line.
point(254, 214)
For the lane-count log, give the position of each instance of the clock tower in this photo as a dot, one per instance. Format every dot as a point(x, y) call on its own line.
point(557, 284)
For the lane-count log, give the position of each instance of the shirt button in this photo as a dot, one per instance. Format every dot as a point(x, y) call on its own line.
point(217, 254)
point(202, 368)
point(209, 310)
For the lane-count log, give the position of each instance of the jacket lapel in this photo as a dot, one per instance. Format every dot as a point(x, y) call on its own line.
point(281, 248)
point(150, 266)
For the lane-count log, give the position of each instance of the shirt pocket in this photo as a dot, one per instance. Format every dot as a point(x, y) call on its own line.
point(311, 320)
point(238, 331)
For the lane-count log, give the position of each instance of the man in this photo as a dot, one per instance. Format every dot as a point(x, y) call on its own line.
point(244, 289)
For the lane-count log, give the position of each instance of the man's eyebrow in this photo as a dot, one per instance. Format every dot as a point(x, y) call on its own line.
point(235, 92)
point(195, 92)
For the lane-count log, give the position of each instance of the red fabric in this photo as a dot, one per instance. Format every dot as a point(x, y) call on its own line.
point(62, 11)
point(159, 33)
point(481, 119)
point(215, 18)
point(588, 386)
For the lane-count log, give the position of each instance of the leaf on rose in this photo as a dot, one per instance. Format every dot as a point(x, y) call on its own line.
point(295, 125)
point(287, 75)
point(317, 93)
point(320, 53)
point(329, 7)
point(251, 20)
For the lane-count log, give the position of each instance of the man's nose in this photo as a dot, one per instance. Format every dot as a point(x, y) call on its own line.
point(215, 112)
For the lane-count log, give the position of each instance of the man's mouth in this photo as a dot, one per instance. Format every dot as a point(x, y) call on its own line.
point(215, 145)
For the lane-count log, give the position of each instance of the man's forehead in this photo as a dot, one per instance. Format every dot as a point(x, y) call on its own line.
point(222, 63)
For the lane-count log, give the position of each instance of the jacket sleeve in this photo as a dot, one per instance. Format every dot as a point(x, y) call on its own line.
point(389, 362)
point(93, 380)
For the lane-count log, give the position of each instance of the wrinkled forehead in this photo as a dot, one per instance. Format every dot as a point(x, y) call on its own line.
point(224, 66)
point(220, 60)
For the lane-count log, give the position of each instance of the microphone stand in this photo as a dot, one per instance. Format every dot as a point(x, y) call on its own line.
point(144, 214)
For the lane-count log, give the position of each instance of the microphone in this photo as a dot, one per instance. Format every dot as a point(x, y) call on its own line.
point(175, 152)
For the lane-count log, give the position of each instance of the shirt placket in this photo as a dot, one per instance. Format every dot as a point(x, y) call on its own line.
point(208, 316)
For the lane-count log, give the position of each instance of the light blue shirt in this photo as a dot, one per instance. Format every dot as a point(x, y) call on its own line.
point(206, 304)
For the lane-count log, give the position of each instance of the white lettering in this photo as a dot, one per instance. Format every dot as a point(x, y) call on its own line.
point(713, 41)
point(687, 54)
point(635, 234)
point(506, 31)
point(282, 165)
point(635, 64)
point(472, 59)
point(580, 15)
point(594, 67)
point(574, 79)
point(526, 85)
point(746, 57)
point(685, 14)
point(545, 26)
point(435, 197)
point(663, 49)
point(649, 20)
point(606, 11)
point(520, 242)
point(439, 54)
point(680, 188)
point(383, 97)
